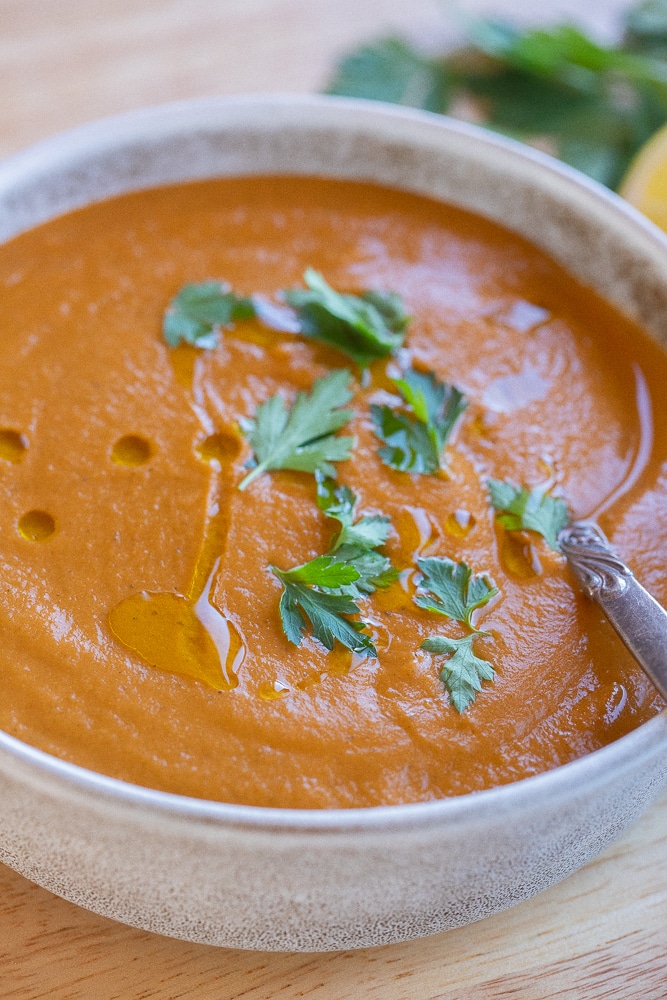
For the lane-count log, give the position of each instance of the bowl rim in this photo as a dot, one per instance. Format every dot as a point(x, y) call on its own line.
point(594, 769)
point(598, 768)
point(101, 134)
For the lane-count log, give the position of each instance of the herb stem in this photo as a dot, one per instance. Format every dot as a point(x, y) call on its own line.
point(252, 475)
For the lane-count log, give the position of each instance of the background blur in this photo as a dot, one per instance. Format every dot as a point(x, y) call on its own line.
point(63, 62)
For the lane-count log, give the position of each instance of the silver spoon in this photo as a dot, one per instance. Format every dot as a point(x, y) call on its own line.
point(636, 616)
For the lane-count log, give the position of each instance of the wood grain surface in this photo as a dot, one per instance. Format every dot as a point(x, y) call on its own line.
point(601, 934)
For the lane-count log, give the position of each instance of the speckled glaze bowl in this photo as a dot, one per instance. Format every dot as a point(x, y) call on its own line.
point(274, 879)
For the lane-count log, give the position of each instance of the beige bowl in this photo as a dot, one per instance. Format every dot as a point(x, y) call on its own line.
point(249, 877)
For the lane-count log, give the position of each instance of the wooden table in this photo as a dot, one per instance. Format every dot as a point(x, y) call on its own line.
point(600, 934)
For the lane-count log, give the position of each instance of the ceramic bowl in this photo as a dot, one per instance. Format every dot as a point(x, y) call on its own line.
point(250, 877)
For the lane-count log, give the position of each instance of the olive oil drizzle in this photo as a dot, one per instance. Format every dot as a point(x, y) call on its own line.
point(186, 634)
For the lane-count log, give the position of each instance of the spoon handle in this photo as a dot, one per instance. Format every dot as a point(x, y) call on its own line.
point(637, 617)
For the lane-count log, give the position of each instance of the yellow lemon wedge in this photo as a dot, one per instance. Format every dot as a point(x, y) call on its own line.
point(645, 184)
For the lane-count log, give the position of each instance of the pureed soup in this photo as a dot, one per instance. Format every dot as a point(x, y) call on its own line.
point(247, 419)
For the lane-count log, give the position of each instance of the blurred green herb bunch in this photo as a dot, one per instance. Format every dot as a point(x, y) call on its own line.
point(591, 105)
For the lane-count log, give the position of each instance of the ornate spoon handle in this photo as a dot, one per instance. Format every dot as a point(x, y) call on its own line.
point(637, 617)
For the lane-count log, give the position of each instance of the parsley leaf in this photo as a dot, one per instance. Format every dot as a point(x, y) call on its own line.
point(365, 327)
point(415, 443)
point(408, 445)
point(391, 71)
point(303, 437)
point(199, 311)
point(338, 502)
point(324, 611)
point(357, 541)
point(454, 591)
point(437, 404)
point(375, 570)
point(328, 586)
point(463, 673)
point(531, 510)
point(323, 571)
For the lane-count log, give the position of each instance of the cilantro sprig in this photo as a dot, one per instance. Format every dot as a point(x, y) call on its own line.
point(416, 440)
point(521, 509)
point(365, 327)
point(199, 311)
point(302, 438)
point(450, 589)
point(325, 590)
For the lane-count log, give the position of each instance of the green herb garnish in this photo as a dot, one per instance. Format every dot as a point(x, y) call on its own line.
point(327, 587)
point(365, 327)
point(463, 673)
point(453, 591)
point(356, 542)
point(415, 440)
point(521, 509)
point(302, 600)
point(594, 105)
point(302, 438)
point(199, 311)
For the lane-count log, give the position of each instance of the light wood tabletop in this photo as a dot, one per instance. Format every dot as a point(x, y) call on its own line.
point(600, 934)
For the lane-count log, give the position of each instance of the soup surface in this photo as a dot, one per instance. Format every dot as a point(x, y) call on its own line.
point(127, 545)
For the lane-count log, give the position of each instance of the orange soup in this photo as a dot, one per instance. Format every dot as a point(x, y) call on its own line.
point(155, 615)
